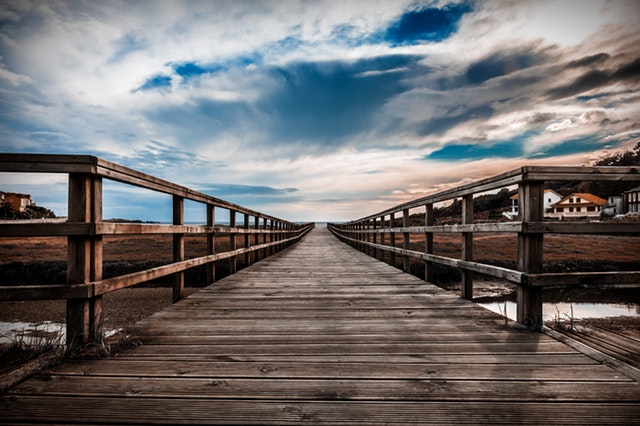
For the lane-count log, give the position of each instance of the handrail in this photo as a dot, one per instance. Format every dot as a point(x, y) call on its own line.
point(85, 229)
point(370, 234)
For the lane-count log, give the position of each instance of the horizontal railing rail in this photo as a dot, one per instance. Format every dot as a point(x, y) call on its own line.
point(377, 234)
point(85, 229)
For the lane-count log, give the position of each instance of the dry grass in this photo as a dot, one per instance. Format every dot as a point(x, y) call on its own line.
point(504, 247)
point(115, 248)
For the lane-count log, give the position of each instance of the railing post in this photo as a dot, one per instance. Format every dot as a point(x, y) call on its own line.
point(405, 240)
point(382, 236)
point(392, 237)
point(232, 241)
point(84, 258)
point(272, 236)
point(367, 226)
point(530, 253)
point(211, 243)
point(467, 246)
point(178, 247)
point(247, 240)
point(375, 236)
point(264, 237)
point(428, 243)
point(256, 237)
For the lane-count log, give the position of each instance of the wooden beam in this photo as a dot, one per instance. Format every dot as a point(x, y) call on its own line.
point(428, 243)
point(467, 247)
point(529, 299)
point(211, 243)
point(178, 248)
point(232, 241)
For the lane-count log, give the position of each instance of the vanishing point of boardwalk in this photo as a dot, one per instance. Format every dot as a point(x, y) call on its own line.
point(321, 333)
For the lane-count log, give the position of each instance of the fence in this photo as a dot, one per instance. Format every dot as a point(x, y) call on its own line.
point(370, 234)
point(85, 229)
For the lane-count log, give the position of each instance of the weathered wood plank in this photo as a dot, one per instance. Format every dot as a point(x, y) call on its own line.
point(450, 367)
point(175, 411)
point(415, 389)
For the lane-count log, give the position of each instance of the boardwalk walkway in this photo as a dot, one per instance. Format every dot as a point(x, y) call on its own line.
point(321, 333)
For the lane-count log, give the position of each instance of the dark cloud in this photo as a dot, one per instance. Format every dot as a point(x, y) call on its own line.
point(594, 79)
point(500, 64)
point(542, 118)
point(630, 71)
point(461, 114)
point(588, 60)
point(429, 24)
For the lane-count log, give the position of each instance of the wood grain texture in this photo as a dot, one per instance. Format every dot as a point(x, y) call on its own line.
point(320, 333)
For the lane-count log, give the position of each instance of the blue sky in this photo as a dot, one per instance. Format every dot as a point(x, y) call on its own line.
point(323, 110)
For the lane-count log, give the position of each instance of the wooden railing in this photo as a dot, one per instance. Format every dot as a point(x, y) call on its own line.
point(85, 229)
point(376, 234)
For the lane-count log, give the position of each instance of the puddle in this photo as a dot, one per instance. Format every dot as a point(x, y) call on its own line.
point(32, 334)
point(566, 311)
point(37, 333)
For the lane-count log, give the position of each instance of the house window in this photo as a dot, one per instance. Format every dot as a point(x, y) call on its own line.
point(559, 209)
point(591, 209)
point(570, 209)
point(571, 200)
point(578, 209)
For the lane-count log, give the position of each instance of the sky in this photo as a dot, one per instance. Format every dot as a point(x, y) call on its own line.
point(314, 110)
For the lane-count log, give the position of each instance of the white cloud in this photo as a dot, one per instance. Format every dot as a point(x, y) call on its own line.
point(558, 126)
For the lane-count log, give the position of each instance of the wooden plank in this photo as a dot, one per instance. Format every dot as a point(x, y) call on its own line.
point(607, 228)
point(176, 411)
point(415, 389)
point(356, 367)
point(617, 279)
point(44, 229)
point(46, 292)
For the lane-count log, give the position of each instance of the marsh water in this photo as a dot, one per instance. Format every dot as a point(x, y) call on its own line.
point(564, 311)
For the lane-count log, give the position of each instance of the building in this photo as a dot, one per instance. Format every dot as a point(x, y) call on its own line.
point(16, 202)
point(578, 205)
point(632, 200)
point(615, 205)
point(550, 197)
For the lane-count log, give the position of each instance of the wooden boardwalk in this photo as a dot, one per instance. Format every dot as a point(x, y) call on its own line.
point(321, 333)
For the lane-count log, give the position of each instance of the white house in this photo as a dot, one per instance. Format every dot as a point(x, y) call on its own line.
point(550, 197)
point(578, 205)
